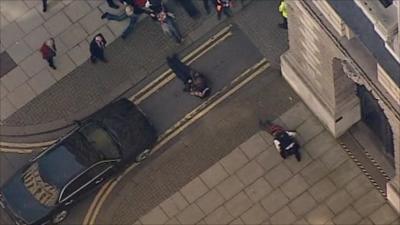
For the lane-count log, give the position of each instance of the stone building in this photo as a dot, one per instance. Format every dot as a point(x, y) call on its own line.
point(343, 61)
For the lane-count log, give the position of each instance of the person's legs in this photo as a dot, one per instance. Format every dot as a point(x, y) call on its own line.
point(173, 28)
point(110, 16)
point(93, 59)
point(283, 154)
point(178, 68)
point(227, 11)
point(207, 6)
point(44, 2)
point(296, 152)
point(51, 63)
point(132, 21)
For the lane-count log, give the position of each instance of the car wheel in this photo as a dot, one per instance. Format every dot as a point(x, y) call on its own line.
point(143, 155)
point(59, 217)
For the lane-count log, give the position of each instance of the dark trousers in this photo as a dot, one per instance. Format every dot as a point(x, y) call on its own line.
point(112, 4)
point(98, 55)
point(284, 24)
point(293, 151)
point(44, 2)
point(227, 11)
point(181, 70)
point(189, 7)
point(51, 62)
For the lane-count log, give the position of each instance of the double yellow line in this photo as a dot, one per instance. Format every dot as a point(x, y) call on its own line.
point(178, 127)
point(24, 148)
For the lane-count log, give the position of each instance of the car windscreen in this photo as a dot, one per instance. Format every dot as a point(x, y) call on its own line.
point(101, 141)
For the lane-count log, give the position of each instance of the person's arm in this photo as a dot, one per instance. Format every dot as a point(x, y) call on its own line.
point(291, 133)
point(277, 145)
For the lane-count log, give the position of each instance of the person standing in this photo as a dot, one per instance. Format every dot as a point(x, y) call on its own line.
point(131, 12)
point(48, 51)
point(224, 6)
point(190, 8)
point(283, 11)
point(97, 46)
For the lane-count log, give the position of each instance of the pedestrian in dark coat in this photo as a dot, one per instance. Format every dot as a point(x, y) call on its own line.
point(97, 46)
point(48, 51)
point(224, 6)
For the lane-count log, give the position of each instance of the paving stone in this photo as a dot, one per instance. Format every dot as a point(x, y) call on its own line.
point(41, 81)
point(283, 216)
point(301, 221)
point(32, 3)
point(230, 187)
point(105, 8)
point(219, 216)
point(3, 90)
point(295, 166)
point(277, 175)
point(214, 175)
point(33, 64)
point(14, 78)
point(314, 172)
point(358, 186)
point(36, 38)
point(64, 66)
point(10, 34)
point(233, 161)
point(193, 190)
point(238, 204)
point(61, 47)
point(80, 53)
point(253, 146)
point(30, 20)
point(210, 201)
point(255, 215)
point(6, 108)
point(347, 216)
point(366, 221)
point(57, 24)
point(174, 204)
point(191, 215)
point(73, 35)
point(294, 186)
point(338, 201)
point(274, 201)
point(369, 202)
point(396, 221)
point(295, 115)
point(268, 159)
point(76, 10)
point(334, 157)
point(237, 221)
point(19, 51)
point(3, 21)
point(92, 21)
point(172, 221)
point(155, 216)
point(319, 144)
point(320, 215)
point(250, 172)
point(13, 9)
point(257, 190)
point(322, 189)
point(344, 173)
point(310, 128)
point(302, 204)
point(384, 215)
point(95, 3)
point(21, 95)
point(106, 32)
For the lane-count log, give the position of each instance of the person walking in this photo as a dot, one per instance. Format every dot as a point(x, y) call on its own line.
point(131, 12)
point(97, 46)
point(283, 11)
point(224, 6)
point(48, 51)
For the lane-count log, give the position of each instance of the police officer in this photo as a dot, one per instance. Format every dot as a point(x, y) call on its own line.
point(283, 11)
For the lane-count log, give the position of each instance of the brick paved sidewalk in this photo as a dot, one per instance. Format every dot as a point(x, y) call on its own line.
point(253, 185)
point(24, 27)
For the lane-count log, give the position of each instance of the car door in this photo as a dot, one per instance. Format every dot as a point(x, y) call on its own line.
point(87, 182)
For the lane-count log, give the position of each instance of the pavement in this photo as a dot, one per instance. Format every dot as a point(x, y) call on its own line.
point(222, 169)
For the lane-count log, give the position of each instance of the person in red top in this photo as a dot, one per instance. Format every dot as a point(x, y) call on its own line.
point(48, 51)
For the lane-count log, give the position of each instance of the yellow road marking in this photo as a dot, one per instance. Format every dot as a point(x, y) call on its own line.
point(191, 117)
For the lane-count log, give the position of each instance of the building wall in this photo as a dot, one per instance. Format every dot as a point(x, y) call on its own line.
point(324, 75)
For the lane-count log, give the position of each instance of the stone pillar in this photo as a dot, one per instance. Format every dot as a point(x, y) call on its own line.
point(312, 68)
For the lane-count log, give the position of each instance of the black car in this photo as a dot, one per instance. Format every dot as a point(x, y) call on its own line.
point(43, 190)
